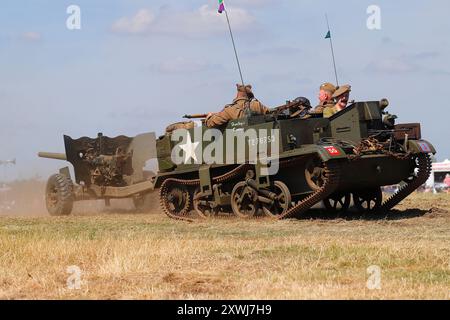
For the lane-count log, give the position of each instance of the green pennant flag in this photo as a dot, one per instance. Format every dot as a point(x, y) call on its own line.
point(328, 36)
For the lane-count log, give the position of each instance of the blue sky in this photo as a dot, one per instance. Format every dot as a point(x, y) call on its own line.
point(136, 65)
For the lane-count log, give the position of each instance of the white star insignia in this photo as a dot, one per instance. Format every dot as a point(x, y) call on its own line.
point(189, 149)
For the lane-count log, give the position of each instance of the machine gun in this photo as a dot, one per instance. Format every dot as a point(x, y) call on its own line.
point(299, 107)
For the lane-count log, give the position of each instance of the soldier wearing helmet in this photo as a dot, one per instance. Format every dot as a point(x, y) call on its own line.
point(326, 92)
point(341, 96)
point(237, 109)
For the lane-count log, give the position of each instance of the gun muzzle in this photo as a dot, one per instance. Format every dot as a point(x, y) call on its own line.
point(51, 155)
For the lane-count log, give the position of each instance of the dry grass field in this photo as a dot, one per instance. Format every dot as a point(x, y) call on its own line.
point(125, 255)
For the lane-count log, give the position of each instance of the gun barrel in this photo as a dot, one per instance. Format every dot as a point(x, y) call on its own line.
point(52, 155)
point(195, 116)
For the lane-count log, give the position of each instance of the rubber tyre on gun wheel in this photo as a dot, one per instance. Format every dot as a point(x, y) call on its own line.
point(59, 195)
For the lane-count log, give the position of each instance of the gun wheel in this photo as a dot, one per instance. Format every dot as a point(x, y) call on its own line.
point(59, 195)
point(244, 200)
point(281, 203)
point(338, 202)
point(368, 200)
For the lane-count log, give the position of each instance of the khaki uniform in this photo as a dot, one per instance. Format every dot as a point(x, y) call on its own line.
point(340, 91)
point(330, 111)
point(321, 107)
point(236, 110)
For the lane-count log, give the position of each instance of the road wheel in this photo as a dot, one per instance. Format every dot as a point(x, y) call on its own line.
point(338, 202)
point(244, 200)
point(202, 206)
point(368, 200)
point(59, 195)
point(282, 202)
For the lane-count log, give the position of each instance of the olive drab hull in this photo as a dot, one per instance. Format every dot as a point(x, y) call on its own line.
point(350, 155)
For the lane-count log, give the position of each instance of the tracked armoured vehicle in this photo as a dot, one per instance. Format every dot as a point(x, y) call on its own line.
point(348, 156)
point(308, 159)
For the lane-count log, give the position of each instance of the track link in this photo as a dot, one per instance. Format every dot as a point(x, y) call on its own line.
point(163, 195)
point(424, 167)
point(173, 182)
point(331, 182)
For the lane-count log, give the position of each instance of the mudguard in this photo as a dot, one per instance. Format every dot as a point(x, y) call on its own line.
point(325, 152)
point(331, 152)
point(420, 146)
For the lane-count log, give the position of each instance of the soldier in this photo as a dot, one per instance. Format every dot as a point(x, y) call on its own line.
point(325, 97)
point(236, 110)
point(341, 97)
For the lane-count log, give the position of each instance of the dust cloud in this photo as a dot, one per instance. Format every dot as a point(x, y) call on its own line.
point(26, 198)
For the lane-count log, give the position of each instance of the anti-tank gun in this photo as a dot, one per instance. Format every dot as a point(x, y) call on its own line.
point(104, 168)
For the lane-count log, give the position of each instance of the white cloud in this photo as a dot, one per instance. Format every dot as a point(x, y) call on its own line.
point(202, 22)
point(139, 23)
point(31, 36)
point(206, 20)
